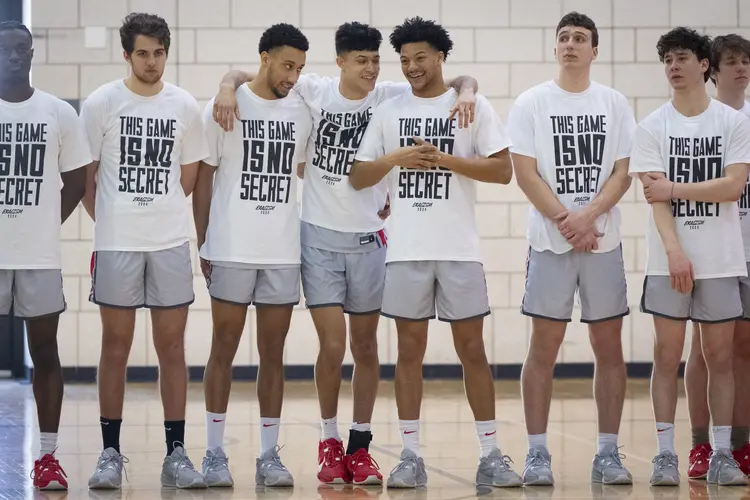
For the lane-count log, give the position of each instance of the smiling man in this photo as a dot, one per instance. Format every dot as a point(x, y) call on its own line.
point(434, 262)
point(692, 157)
point(731, 57)
point(571, 146)
point(147, 138)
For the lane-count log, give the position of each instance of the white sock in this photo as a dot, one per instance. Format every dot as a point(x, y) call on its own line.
point(215, 423)
point(329, 429)
point(361, 426)
point(665, 437)
point(722, 437)
point(410, 435)
point(48, 443)
point(538, 441)
point(269, 433)
point(605, 443)
point(487, 434)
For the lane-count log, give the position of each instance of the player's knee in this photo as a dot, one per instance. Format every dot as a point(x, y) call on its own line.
point(742, 346)
point(44, 356)
point(365, 350)
point(607, 353)
point(332, 350)
point(471, 351)
point(271, 350)
point(718, 356)
point(170, 350)
point(667, 357)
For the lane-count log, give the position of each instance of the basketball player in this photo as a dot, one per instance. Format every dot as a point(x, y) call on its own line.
point(430, 168)
point(41, 142)
point(571, 145)
point(247, 221)
point(147, 138)
point(731, 56)
point(343, 240)
point(692, 157)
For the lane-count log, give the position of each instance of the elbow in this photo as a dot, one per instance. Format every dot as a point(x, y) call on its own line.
point(735, 194)
point(356, 182)
point(504, 174)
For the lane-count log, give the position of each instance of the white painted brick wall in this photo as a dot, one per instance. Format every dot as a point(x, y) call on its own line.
point(506, 44)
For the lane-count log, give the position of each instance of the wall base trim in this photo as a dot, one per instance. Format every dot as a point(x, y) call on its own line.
point(87, 374)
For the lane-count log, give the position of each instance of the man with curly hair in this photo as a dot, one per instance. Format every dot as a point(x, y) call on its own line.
point(147, 138)
point(247, 223)
point(434, 262)
point(692, 157)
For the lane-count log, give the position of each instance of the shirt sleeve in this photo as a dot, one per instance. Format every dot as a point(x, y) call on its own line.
point(488, 132)
point(214, 136)
point(521, 128)
point(194, 145)
point(73, 148)
point(392, 89)
point(646, 155)
point(739, 147)
point(310, 85)
point(94, 119)
point(373, 142)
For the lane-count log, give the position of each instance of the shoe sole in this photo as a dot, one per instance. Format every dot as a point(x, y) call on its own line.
point(542, 481)
point(403, 485)
point(667, 482)
point(369, 481)
point(53, 486)
point(598, 478)
point(108, 485)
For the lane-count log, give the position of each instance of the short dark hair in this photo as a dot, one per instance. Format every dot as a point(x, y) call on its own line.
point(356, 36)
point(280, 35)
point(682, 38)
point(731, 44)
point(138, 23)
point(15, 25)
point(416, 30)
point(580, 21)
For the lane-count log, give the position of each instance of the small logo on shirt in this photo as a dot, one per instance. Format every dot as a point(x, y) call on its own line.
point(12, 213)
point(422, 206)
point(331, 180)
point(265, 209)
point(143, 201)
point(582, 200)
point(694, 224)
point(743, 214)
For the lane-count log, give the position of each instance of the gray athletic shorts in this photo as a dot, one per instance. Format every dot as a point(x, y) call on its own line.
point(33, 293)
point(343, 269)
point(745, 294)
point(414, 289)
point(245, 284)
point(160, 279)
point(553, 279)
point(714, 300)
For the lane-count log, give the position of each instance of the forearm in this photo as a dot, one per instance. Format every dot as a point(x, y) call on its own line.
point(724, 189)
point(495, 170)
point(366, 174)
point(464, 84)
point(89, 196)
point(235, 78)
point(540, 195)
point(664, 221)
point(612, 192)
point(202, 201)
point(70, 197)
point(188, 177)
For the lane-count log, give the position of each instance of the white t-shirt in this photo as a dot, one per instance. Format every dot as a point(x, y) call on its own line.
point(695, 149)
point(40, 138)
point(744, 203)
point(576, 138)
point(141, 142)
point(432, 212)
point(254, 216)
point(328, 199)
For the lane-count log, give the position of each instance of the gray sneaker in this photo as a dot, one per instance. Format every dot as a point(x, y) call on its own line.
point(724, 470)
point(269, 471)
point(216, 469)
point(608, 469)
point(538, 468)
point(410, 472)
point(495, 470)
point(666, 470)
point(108, 473)
point(178, 471)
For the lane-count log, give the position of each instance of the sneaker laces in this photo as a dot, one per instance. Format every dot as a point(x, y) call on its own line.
point(217, 462)
point(406, 463)
point(665, 460)
point(699, 451)
point(274, 461)
point(363, 457)
point(728, 459)
point(537, 459)
point(333, 454)
point(47, 462)
point(107, 461)
point(503, 461)
point(614, 458)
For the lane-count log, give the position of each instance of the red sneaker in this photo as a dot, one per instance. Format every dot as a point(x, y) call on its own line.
point(331, 466)
point(742, 456)
point(48, 475)
point(698, 461)
point(363, 468)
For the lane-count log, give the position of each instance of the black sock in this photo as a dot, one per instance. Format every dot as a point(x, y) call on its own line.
point(110, 433)
point(357, 440)
point(175, 431)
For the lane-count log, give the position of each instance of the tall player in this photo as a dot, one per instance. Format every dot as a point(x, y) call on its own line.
point(247, 221)
point(147, 138)
point(692, 157)
point(41, 142)
point(571, 146)
point(731, 57)
point(430, 167)
point(343, 241)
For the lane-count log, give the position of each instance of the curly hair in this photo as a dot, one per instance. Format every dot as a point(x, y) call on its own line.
point(356, 36)
point(682, 38)
point(580, 21)
point(138, 23)
point(280, 35)
point(731, 44)
point(416, 30)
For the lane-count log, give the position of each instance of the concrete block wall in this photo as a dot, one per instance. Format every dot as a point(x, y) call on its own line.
point(506, 44)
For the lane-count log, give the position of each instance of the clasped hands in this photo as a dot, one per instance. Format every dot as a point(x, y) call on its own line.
point(579, 229)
